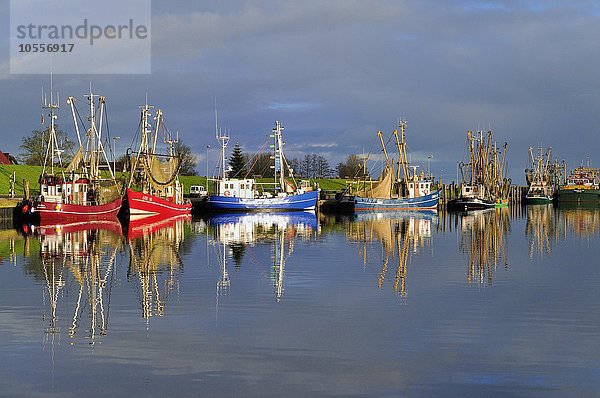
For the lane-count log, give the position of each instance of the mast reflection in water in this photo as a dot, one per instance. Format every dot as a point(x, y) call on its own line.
point(306, 304)
point(154, 260)
point(483, 236)
point(85, 253)
point(237, 232)
point(400, 235)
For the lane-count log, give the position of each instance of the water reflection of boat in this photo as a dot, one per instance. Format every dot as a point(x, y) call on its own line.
point(61, 229)
point(483, 238)
point(136, 228)
point(154, 261)
point(238, 231)
point(89, 255)
point(540, 228)
point(580, 221)
point(400, 234)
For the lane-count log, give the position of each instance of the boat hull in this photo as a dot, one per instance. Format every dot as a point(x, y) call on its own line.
point(425, 202)
point(579, 196)
point(468, 204)
point(501, 203)
point(538, 199)
point(140, 205)
point(304, 201)
point(59, 213)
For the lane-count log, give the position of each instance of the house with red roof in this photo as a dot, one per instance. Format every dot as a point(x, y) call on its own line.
point(5, 158)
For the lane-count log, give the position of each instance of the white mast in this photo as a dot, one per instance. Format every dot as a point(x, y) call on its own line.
point(223, 139)
point(279, 153)
point(52, 149)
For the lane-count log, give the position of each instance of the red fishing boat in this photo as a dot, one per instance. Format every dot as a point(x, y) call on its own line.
point(81, 191)
point(154, 187)
point(55, 213)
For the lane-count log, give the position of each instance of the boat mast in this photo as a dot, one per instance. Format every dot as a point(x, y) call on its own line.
point(402, 156)
point(52, 148)
point(92, 136)
point(470, 139)
point(279, 154)
point(387, 159)
point(223, 138)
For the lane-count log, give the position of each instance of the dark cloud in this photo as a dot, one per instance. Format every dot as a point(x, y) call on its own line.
point(335, 72)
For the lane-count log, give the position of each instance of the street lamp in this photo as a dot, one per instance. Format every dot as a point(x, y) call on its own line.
point(457, 163)
point(114, 154)
point(428, 165)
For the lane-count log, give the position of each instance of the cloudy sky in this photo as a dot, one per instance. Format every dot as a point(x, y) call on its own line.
point(335, 72)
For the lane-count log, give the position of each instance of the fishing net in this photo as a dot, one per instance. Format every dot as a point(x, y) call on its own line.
point(107, 192)
point(76, 162)
point(382, 188)
point(161, 171)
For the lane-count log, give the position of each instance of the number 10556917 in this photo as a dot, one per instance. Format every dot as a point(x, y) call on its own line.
point(43, 47)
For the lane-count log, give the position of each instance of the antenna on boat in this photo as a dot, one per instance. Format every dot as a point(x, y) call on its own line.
point(222, 138)
point(52, 149)
point(216, 120)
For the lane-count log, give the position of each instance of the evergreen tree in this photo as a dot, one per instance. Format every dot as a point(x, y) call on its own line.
point(237, 162)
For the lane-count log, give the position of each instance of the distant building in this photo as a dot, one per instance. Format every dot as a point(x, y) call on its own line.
point(7, 158)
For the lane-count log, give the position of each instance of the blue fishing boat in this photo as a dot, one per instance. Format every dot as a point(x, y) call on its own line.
point(287, 202)
point(235, 194)
point(404, 190)
point(424, 202)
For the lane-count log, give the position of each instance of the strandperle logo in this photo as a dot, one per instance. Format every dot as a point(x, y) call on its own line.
point(80, 37)
point(86, 31)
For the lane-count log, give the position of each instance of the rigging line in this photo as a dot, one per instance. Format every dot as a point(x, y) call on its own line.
point(358, 171)
point(137, 131)
point(257, 156)
point(80, 118)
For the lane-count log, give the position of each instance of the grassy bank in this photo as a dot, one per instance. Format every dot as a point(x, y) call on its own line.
point(327, 184)
point(32, 173)
point(23, 172)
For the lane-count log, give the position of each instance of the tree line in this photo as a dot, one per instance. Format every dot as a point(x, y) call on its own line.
point(309, 166)
point(33, 151)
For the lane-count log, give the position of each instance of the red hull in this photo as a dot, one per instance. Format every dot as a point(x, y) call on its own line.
point(60, 213)
point(140, 205)
point(149, 225)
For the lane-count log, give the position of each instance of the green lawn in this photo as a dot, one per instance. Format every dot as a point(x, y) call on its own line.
point(29, 173)
point(32, 174)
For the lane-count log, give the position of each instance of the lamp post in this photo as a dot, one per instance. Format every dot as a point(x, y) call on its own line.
point(428, 165)
point(457, 163)
point(115, 139)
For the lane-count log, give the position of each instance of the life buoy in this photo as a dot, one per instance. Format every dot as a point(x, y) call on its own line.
point(227, 193)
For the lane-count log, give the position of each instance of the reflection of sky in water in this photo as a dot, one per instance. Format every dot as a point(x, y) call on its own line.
point(531, 331)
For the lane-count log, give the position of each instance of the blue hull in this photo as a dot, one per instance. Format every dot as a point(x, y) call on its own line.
point(305, 201)
point(426, 202)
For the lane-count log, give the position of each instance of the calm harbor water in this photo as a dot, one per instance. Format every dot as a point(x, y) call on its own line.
point(500, 303)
